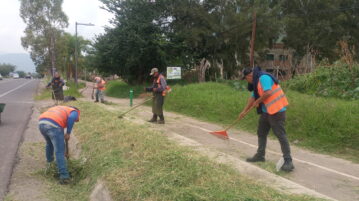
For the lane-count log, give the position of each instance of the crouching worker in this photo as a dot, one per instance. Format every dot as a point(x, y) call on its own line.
point(271, 104)
point(52, 124)
point(159, 92)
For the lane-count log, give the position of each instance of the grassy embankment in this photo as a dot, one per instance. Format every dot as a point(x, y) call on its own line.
point(327, 125)
point(72, 91)
point(139, 164)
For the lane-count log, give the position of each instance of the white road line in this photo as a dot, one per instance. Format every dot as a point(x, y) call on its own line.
point(12, 90)
point(276, 153)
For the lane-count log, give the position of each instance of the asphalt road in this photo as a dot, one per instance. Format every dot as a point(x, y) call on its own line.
point(18, 95)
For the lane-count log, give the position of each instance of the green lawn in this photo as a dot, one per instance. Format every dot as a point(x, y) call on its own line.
point(327, 125)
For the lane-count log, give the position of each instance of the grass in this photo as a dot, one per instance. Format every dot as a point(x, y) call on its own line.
point(72, 91)
point(326, 125)
point(122, 90)
point(136, 163)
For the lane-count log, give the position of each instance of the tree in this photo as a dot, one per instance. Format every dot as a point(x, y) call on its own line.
point(45, 21)
point(188, 33)
point(136, 44)
point(22, 74)
point(66, 53)
point(317, 26)
point(6, 69)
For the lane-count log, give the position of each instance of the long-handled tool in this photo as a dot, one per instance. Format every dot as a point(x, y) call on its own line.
point(134, 107)
point(92, 95)
point(67, 151)
point(55, 99)
point(223, 133)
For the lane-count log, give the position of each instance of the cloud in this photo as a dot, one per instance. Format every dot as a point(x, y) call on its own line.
point(11, 27)
point(84, 11)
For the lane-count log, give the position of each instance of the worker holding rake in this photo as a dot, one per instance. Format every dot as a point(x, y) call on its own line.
point(51, 125)
point(271, 103)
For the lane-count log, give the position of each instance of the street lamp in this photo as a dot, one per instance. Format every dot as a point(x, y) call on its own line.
point(76, 53)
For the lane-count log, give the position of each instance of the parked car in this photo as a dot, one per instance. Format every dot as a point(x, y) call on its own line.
point(0, 77)
point(28, 77)
point(15, 76)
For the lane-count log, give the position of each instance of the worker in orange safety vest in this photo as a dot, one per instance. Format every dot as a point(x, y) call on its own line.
point(52, 124)
point(159, 89)
point(271, 103)
point(99, 86)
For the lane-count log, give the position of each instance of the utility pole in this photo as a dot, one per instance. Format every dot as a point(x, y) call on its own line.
point(253, 38)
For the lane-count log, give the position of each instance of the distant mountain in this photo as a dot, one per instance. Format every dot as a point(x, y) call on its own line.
point(22, 61)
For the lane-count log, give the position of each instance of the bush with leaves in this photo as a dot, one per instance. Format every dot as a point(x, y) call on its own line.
point(338, 80)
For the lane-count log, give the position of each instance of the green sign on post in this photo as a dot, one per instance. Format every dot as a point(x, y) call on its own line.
point(131, 97)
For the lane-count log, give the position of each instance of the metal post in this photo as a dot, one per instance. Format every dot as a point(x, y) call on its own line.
point(131, 97)
point(76, 55)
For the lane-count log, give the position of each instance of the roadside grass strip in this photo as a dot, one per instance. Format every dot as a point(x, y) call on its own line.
point(137, 163)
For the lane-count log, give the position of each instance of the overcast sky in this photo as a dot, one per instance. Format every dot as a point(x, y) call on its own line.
point(83, 11)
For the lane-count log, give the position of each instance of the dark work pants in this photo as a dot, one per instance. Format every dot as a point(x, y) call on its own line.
point(157, 104)
point(277, 123)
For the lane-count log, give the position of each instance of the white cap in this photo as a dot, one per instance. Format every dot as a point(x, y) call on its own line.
point(153, 71)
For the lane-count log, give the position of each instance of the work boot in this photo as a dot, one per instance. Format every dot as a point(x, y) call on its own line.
point(256, 158)
point(288, 165)
point(154, 119)
point(162, 120)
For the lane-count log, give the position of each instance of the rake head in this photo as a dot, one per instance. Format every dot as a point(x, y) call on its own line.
point(221, 134)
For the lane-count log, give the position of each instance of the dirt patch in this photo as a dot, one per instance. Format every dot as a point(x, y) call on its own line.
point(24, 185)
point(100, 193)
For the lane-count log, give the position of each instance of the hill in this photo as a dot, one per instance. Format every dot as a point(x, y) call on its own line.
point(22, 61)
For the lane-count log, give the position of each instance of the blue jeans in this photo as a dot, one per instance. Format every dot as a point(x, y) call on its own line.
point(55, 141)
point(99, 95)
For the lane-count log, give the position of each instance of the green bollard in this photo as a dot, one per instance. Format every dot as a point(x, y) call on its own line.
point(131, 97)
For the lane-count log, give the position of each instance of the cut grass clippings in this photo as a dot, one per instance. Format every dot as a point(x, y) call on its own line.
point(137, 163)
point(326, 125)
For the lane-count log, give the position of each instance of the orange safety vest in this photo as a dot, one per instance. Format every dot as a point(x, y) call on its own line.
point(276, 101)
point(102, 83)
point(167, 89)
point(59, 114)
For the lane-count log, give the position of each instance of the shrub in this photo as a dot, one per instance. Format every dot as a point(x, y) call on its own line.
point(338, 80)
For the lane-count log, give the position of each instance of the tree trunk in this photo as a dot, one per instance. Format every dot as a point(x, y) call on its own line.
point(53, 56)
point(201, 69)
point(221, 67)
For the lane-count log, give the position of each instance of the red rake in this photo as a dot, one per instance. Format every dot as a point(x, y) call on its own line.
point(223, 133)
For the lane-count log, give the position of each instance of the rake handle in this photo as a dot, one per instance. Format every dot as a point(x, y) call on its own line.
point(67, 152)
point(238, 119)
point(134, 107)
